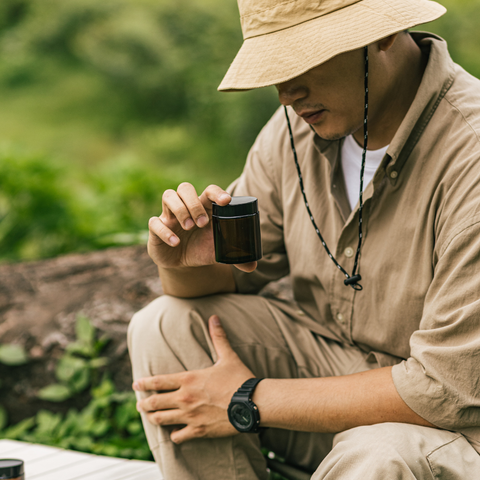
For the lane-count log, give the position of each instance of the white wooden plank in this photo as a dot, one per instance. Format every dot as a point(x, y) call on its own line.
point(11, 445)
point(123, 469)
point(63, 459)
point(79, 469)
point(32, 453)
point(153, 473)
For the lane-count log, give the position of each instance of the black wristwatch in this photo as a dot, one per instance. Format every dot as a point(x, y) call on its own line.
point(242, 412)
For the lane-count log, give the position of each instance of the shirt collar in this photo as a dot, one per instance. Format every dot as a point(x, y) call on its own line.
point(437, 79)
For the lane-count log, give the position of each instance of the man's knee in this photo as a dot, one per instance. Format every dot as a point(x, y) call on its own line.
point(386, 451)
point(167, 336)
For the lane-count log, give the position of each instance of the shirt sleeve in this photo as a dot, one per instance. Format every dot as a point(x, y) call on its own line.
point(440, 380)
point(261, 179)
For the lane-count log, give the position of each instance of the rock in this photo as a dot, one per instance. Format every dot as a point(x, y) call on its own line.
point(39, 304)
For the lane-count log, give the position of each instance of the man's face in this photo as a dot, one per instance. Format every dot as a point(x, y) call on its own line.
point(329, 97)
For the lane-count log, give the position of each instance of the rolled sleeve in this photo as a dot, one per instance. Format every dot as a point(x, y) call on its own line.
point(440, 380)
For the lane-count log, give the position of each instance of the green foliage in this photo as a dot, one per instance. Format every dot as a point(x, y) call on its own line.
point(459, 26)
point(46, 211)
point(78, 366)
point(13, 355)
point(108, 425)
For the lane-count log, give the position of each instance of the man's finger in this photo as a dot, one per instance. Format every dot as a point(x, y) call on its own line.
point(247, 267)
point(165, 417)
point(157, 401)
point(158, 383)
point(219, 338)
point(196, 210)
point(180, 435)
point(158, 231)
point(213, 193)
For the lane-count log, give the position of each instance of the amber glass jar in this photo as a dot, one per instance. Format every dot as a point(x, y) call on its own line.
point(236, 231)
point(11, 469)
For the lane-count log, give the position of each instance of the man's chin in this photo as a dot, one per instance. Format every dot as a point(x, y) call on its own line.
point(333, 136)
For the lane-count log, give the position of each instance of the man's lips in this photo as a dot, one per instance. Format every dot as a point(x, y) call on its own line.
point(312, 117)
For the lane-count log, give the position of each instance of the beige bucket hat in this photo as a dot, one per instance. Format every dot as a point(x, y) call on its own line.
point(283, 39)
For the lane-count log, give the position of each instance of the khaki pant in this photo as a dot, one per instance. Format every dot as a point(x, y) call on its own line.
point(170, 335)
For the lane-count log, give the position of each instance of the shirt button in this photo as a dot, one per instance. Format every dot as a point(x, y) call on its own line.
point(349, 252)
point(393, 174)
point(340, 318)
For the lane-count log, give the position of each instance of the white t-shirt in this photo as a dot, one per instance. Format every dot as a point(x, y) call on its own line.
point(352, 163)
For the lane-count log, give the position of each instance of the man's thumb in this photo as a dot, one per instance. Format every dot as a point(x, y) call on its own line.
point(219, 337)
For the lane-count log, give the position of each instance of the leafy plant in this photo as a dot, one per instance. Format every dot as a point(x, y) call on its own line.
point(108, 425)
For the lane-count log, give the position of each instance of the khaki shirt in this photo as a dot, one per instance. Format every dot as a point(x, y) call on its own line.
point(420, 261)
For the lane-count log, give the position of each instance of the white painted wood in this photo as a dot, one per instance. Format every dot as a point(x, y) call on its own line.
point(27, 452)
point(50, 463)
point(78, 469)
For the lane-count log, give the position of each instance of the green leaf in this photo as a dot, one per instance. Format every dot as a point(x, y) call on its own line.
point(98, 362)
point(100, 428)
point(105, 389)
point(80, 381)
point(101, 343)
point(68, 367)
point(13, 355)
point(55, 393)
point(80, 349)
point(134, 428)
point(73, 371)
point(47, 422)
point(85, 331)
point(3, 418)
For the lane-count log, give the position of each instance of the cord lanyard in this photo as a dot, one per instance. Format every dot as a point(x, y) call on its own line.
point(355, 277)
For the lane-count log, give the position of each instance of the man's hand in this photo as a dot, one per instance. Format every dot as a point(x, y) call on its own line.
point(182, 235)
point(196, 401)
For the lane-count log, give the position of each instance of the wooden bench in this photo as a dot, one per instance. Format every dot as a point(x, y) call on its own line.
point(49, 463)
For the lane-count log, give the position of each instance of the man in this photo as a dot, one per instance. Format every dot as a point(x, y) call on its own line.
point(372, 382)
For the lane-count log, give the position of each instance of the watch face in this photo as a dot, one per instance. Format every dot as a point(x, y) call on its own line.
point(241, 416)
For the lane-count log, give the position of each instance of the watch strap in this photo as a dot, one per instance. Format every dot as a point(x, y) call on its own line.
point(245, 392)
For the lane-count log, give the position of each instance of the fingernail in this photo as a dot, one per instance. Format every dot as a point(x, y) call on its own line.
point(139, 408)
point(188, 223)
point(202, 220)
point(136, 386)
point(224, 197)
point(216, 321)
point(174, 241)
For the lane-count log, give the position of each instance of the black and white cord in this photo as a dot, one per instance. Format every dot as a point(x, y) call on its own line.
point(354, 278)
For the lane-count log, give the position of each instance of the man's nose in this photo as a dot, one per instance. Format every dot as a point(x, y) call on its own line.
point(289, 93)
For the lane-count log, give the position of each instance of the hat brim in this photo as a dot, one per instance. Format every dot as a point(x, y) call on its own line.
point(277, 57)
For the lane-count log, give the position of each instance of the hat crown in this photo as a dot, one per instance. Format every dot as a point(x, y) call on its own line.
point(259, 17)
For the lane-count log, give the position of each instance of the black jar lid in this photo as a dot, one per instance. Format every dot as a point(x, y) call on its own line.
point(11, 468)
point(238, 207)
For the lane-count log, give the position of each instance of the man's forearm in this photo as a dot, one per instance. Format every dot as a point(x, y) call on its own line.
point(333, 404)
point(190, 282)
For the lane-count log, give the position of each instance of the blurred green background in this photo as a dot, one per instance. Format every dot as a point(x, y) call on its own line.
point(104, 105)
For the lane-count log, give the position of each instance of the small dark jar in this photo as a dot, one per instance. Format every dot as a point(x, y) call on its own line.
point(11, 469)
point(236, 231)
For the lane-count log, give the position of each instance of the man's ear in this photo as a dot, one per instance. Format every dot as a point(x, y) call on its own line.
point(387, 43)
